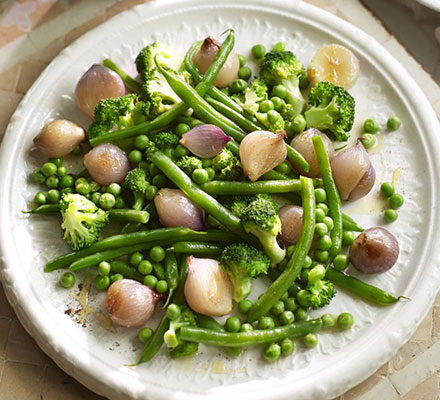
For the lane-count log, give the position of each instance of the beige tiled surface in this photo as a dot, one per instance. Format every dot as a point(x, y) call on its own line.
point(26, 373)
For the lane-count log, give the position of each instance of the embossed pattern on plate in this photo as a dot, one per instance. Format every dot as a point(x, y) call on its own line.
point(96, 356)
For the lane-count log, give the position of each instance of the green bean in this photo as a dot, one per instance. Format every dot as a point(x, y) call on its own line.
point(365, 291)
point(233, 188)
point(44, 209)
point(295, 156)
point(171, 270)
point(233, 115)
point(131, 239)
point(179, 294)
point(334, 201)
point(155, 343)
point(273, 176)
point(293, 268)
point(349, 224)
point(199, 197)
point(207, 322)
point(120, 267)
point(192, 122)
point(170, 115)
point(131, 84)
point(241, 339)
point(197, 248)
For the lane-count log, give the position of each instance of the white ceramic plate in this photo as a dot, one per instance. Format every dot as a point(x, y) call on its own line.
point(97, 357)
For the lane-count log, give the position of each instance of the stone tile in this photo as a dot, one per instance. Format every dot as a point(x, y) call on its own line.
point(48, 53)
point(22, 348)
point(9, 78)
point(46, 12)
point(80, 30)
point(427, 390)
point(383, 370)
point(424, 331)
point(5, 326)
point(362, 388)
point(384, 390)
point(437, 299)
point(21, 381)
point(9, 34)
point(407, 354)
point(5, 309)
point(8, 103)
point(57, 385)
point(436, 323)
point(122, 6)
point(31, 69)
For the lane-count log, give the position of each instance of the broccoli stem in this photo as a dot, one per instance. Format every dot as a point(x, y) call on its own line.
point(240, 339)
point(143, 237)
point(199, 197)
point(131, 84)
point(233, 188)
point(294, 266)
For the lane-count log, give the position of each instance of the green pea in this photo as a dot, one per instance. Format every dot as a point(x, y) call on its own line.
point(170, 153)
point(319, 216)
point(280, 46)
point(277, 103)
point(181, 151)
point(272, 352)
point(246, 327)
point(321, 228)
point(321, 255)
point(66, 190)
point(53, 196)
point(303, 298)
point(241, 59)
point(150, 192)
point(200, 176)
point(136, 258)
point(279, 91)
point(119, 203)
point(311, 340)
point(150, 281)
point(273, 116)
point(323, 207)
point(287, 317)
point(40, 198)
point(301, 314)
point(287, 347)
point(233, 324)
point(67, 181)
point(340, 262)
point(157, 253)
point(52, 182)
point(258, 51)
point(135, 156)
point(298, 124)
point(387, 189)
point(320, 195)
point(393, 123)
point(345, 321)
point(67, 280)
point(61, 171)
point(237, 86)
point(76, 151)
point(116, 277)
point(316, 273)
point(244, 306)
point(49, 169)
point(144, 334)
point(266, 106)
point(211, 173)
point(277, 308)
point(173, 311)
point(160, 181)
point(244, 73)
point(348, 238)
point(368, 140)
point(141, 141)
point(396, 201)
point(114, 189)
point(182, 128)
point(304, 82)
point(162, 286)
point(81, 180)
point(304, 276)
point(38, 176)
point(104, 268)
point(308, 262)
point(83, 188)
point(324, 242)
point(145, 267)
point(206, 162)
point(107, 201)
point(371, 126)
point(328, 321)
point(102, 282)
point(266, 323)
point(390, 215)
point(284, 167)
point(329, 222)
point(58, 161)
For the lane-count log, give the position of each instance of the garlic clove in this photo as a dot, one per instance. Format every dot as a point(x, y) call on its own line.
point(208, 288)
point(261, 151)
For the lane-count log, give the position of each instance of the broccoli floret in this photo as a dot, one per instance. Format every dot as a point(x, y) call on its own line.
point(320, 293)
point(273, 121)
point(82, 221)
point(261, 219)
point(236, 204)
point(150, 149)
point(243, 262)
point(136, 181)
point(332, 110)
point(189, 164)
point(165, 57)
point(283, 68)
point(252, 96)
point(164, 140)
point(227, 166)
point(176, 346)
